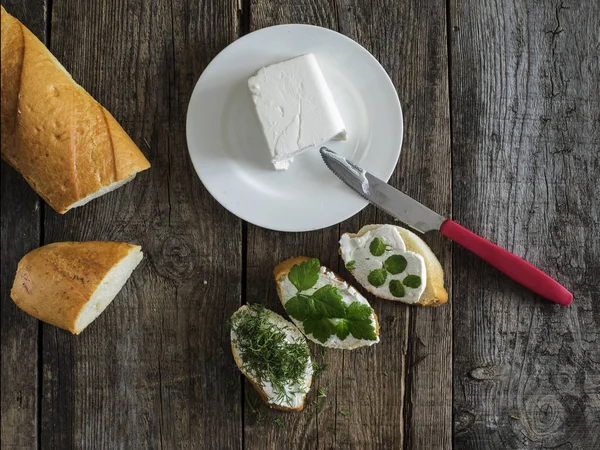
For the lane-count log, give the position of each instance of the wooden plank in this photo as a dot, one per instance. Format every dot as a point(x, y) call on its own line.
point(370, 383)
point(410, 42)
point(149, 372)
point(20, 233)
point(525, 106)
point(265, 249)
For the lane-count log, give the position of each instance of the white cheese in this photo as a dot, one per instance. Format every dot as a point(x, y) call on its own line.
point(349, 295)
point(357, 249)
point(295, 393)
point(295, 108)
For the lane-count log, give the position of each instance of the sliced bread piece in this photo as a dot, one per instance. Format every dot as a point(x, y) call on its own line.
point(323, 306)
point(69, 284)
point(394, 263)
point(273, 355)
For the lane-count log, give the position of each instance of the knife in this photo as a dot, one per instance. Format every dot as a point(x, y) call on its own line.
point(422, 219)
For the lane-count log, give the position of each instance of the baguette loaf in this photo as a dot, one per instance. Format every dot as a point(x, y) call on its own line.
point(69, 284)
point(64, 143)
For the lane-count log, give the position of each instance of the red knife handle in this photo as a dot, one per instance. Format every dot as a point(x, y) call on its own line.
point(516, 268)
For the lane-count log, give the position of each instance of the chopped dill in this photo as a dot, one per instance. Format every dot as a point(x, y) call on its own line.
point(257, 414)
point(279, 422)
point(345, 412)
point(318, 369)
point(332, 430)
point(267, 355)
point(322, 393)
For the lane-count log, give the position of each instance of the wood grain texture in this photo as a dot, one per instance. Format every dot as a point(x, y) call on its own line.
point(415, 349)
point(149, 372)
point(526, 113)
point(20, 233)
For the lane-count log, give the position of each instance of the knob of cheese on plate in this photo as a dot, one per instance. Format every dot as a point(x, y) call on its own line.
point(295, 108)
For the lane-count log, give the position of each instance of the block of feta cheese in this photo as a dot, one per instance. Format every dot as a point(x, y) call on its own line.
point(295, 108)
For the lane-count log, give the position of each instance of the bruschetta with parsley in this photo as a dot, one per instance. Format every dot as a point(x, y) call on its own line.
point(323, 306)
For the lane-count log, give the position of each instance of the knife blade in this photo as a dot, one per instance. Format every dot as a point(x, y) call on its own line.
point(423, 219)
point(391, 200)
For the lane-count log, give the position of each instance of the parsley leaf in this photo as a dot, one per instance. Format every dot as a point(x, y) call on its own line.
point(412, 281)
point(362, 329)
point(358, 311)
point(397, 289)
point(377, 277)
point(357, 323)
point(395, 264)
point(300, 307)
point(341, 329)
point(350, 265)
point(320, 328)
point(328, 302)
point(377, 248)
point(305, 275)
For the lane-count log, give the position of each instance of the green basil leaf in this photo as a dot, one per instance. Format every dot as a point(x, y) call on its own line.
point(377, 277)
point(377, 247)
point(397, 289)
point(395, 264)
point(412, 281)
point(350, 265)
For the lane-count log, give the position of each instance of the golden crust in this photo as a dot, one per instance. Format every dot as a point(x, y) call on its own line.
point(54, 282)
point(435, 294)
point(63, 142)
point(257, 386)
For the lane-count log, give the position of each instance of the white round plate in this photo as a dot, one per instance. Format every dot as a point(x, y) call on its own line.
point(229, 151)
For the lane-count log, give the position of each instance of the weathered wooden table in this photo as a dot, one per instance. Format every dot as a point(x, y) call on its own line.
point(502, 116)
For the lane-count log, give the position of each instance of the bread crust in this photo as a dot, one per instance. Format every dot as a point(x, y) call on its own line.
point(53, 283)
point(435, 294)
point(257, 386)
point(284, 267)
point(63, 142)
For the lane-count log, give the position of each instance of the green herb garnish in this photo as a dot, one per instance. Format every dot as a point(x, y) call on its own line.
point(377, 277)
point(318, 369)
point(377, 247)
point(412, 281)
point(350, 265)
point(266, 353)
point(357, 322)
point(279, 422)
point(317, 310)
point(397, 289)
point(321, 393)
point(254, 409)
point(515, 418)
point(395, 264)
point(305, 275)
point(331, 430)
point(345, 412)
